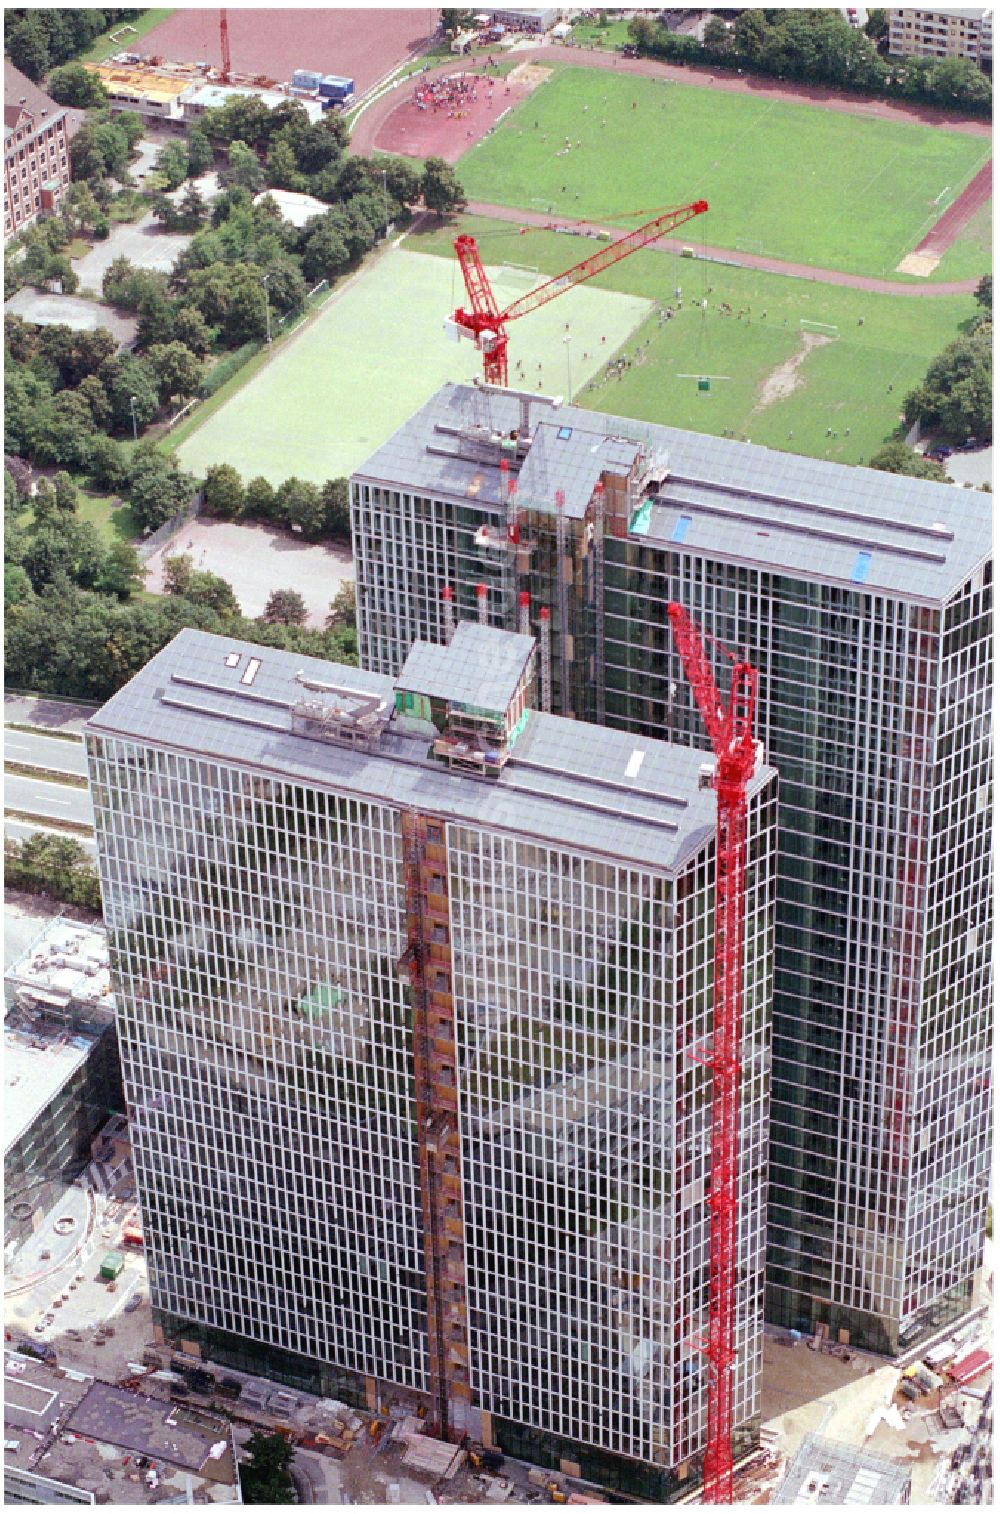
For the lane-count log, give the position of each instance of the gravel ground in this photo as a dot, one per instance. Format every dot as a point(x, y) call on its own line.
point(255, 560)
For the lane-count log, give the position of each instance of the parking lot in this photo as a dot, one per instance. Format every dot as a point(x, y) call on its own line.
point(144, 243)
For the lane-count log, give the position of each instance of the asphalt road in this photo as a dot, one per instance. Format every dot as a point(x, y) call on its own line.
point(48, 801)
point(46, 714)
point(50, 752)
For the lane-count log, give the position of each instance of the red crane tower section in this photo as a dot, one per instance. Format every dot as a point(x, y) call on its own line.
point(487, 324)
point(227, 66)
point(731, 732)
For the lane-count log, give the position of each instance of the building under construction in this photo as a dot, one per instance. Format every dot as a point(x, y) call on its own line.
point(864, 601)
point(416, 987)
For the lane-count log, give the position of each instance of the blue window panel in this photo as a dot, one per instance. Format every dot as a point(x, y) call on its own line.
point(680, 531)
point(861, 566)
point(564, 433)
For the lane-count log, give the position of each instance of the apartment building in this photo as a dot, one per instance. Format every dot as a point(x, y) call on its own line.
point(35, 152)
point(949, 32)
point(415, 985)
point(864, 600)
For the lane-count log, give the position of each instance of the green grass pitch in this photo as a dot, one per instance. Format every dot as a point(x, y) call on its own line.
point(842, 387)
point(796, 182)
point(378, 351)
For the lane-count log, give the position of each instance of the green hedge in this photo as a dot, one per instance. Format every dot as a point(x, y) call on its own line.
point(227, 366)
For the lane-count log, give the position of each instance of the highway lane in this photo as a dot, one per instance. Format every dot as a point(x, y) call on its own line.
point(50, 752)
point(48, 801)
point(20, 830)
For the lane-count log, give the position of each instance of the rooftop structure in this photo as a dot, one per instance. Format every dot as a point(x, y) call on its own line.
point(204, 97)
point(864, 601)
point(297, 208)
point(830, 1472)
point(60, 1065)
point(83, 1427)
point(438, 962)
point(145, 90)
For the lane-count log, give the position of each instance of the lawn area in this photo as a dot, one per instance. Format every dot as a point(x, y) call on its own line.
point(340, 387)
point(114, 521)
point(102, 47)
point(843, 384)
point(612, 35)
point(794, 181)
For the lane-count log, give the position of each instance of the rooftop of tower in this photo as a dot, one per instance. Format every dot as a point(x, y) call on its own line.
point(776, 511)
point(565, 783)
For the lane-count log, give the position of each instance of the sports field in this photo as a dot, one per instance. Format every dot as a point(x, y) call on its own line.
point(378, 351)
point(792, 181)
point(783, 384)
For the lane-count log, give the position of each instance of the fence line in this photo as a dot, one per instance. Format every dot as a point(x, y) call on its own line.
point(170, 528)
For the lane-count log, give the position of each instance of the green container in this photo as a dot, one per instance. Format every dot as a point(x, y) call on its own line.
point(704, 386)
point(112, 1265)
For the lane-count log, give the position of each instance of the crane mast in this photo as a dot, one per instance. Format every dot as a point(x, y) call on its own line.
point(227, 67)
point(487, 324)
point(731, 733)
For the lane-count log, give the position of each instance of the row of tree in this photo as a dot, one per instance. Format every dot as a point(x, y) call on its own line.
point(315, 512)
point(55, 866)
point(817, 46)
point(36, 40)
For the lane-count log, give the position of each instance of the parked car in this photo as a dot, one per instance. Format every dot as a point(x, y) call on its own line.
point(133, 1303)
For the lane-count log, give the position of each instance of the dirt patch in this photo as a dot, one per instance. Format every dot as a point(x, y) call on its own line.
point(784, 380)
point(920, 264)
point(529, 74)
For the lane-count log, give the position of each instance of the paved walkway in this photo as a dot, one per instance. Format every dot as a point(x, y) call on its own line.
point(739, 259)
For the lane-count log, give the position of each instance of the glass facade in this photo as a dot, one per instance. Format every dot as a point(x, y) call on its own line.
point(268, 1047)
point(872, 707)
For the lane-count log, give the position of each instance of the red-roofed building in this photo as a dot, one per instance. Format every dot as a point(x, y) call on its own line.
point(35, 152)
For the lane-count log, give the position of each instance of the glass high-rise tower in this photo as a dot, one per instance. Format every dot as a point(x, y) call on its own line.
point(416, 994)
point(865, 602)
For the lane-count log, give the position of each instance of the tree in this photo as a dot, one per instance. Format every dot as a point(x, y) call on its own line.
point(27, 48)
point(16, 585)
point(286, 607)
point(324, 251)
point(177, 571)
point(343, 608)
point(259, 500)
point(156, 319)
point(956, 397)
point(128, 379)
point(282, 168)
point(223, 492)
point(244, 169)
point(286, 288)
point(158, 489)
point(72, 84)
point(212, 593)
point(172, 162)
point(178, 371)
point(192, 208)
point(337, 509)
point(109, 463)
point(265, 1478)
point(190, 328)
point(877, 25)
point(301, 505)
point(44, 509)
point(984, 292)
point(897, 457)
point(750, 31)
point(80, 208)
point(67, 437)
point(442, 191)
point(66, 495)
point(716, 36)
point(121, 573)
point(201, 155)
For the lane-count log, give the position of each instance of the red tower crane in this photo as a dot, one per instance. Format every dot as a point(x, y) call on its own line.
point(487, 324)
point(731, 732)
point(227, 65)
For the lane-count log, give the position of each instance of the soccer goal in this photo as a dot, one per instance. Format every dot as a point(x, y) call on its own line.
point(819, 326)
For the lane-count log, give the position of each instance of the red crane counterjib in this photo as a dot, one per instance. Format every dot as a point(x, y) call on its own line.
point(488, 323)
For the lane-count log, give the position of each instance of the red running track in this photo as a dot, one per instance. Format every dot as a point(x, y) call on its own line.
point(426, 133)
point(361, 44)
point(958, 215)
